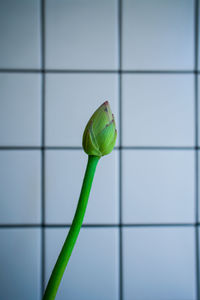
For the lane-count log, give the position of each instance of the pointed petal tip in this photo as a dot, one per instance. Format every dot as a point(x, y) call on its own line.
point(106, 104)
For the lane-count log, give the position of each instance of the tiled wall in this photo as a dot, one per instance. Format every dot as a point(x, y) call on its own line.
point(59, 60)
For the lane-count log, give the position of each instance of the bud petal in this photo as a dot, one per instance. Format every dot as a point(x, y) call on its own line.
point(89, 141)
point(100, 133)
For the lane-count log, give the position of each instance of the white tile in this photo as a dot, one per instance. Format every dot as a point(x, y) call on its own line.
point(20, 264)
point(20, 109)
point(81, 34)
point(20, 34)
point(20, 187)
point(71, 99)
point(158, 186)
point(159, 263)
point(64, 175)
point(199, 184)
point(198, 121)
point(198, 61)
point(158, 35)
point(198, 228)
point(158, 110)
point(92, 272)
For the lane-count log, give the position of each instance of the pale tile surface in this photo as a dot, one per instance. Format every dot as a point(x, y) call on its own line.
point(20, 34)
point(158, 186)
point(199, 182)
point(158, 110)
point(20, 187)
point(159, 263)
point(92, 272)
point(64, 176)
point(71, 99)
point(81, 34)
point(158, 35)
point(20, 109)
point(198, 111)
point(20, 264)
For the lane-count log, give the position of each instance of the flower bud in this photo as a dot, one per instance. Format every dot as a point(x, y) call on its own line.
point(100, 133)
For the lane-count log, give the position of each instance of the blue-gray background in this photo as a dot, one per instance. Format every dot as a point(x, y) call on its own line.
point(59, 60)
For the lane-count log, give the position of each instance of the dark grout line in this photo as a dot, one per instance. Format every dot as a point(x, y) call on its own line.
point(197, 262)
point(196, 117)
point(83, 225)
point(120, 150)
point(50, 71)
point(43, 148)
point(162, 225)
point(157, 148)
point(3, 148)
point(196, 32)
point(127, 225)
point(38, 71)
point(63, 148)
point(74, 71)
point(40, 147)
point(2, 226)
point(12, 148)
point(158, 71)
point(43, 206)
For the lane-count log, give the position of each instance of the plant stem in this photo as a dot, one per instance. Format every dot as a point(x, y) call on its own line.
point(59, 268)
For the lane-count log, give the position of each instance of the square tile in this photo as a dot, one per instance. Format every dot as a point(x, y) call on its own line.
point(20, 109)
point(158, 110)
point(71, 99)
point(198, 229)
point(64, 175)
point(159, 263)
point(20, 264)
point(198, 61)
point(81, 34)
point(20, 34)
point(158, 186)
point(158, 35)
point(92, 272)
point(20, 187)
point(198, 121)
point(199, 185)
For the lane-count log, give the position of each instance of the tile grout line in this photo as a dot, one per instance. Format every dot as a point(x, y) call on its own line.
point(120, 148)
point(196, 16)
point(115, 148)
point(43, 148)
point(103, 225)
point(196, 195)
point(90, 71)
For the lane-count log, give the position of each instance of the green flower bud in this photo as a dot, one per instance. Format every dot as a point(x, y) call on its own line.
point(100, 132)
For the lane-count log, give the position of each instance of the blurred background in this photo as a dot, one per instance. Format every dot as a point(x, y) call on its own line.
point(59, 60)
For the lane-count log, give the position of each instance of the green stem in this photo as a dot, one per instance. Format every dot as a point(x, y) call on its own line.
point(70, 241)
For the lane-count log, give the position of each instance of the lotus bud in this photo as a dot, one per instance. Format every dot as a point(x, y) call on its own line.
point(100, 134)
